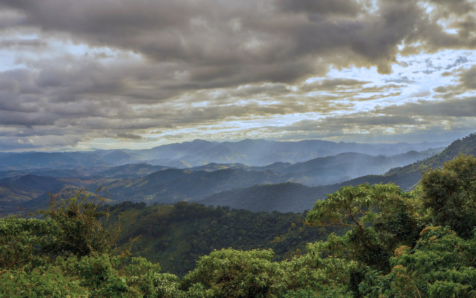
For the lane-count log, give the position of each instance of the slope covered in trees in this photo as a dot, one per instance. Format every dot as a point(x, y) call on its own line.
point(174, 185)
point(176, 236)
point(398, 244)
point(283, 197)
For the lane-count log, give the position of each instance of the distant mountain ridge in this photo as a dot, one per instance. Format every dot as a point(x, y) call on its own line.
point(172, 185)
point(130, 171)
point(199, 153)
point(290, 197)
point(262, 152)
point(149, 183)
point(219, 183)
point(408, 176)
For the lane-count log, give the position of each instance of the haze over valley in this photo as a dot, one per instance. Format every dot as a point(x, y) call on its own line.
point(195, 172)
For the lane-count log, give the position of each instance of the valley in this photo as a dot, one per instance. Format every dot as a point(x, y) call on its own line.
point(273, 176)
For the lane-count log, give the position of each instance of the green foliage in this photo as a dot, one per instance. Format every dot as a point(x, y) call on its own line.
point(67, 253)
point(176, 236)
point(450, 194)
point(231, 273)
point(48, 282)
point(440, 265)
point(81, 232)
point(396, 244)
point(381, 217)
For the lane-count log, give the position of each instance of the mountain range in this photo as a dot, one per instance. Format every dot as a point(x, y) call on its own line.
point(290, 197)
point(199, 153)
point(278, 186)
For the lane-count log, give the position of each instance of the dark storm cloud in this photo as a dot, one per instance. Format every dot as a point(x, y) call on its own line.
point(268, 89)
point(223, 43)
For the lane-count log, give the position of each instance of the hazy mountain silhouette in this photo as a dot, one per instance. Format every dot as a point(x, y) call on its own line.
point(291, 197)
point(229, 183)
point(130, 171)
point(199, 152)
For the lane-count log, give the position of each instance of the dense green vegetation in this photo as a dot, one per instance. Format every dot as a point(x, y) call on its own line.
point(398, 244)
point(176, 236)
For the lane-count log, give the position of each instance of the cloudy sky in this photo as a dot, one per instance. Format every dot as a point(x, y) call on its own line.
point(141, 73)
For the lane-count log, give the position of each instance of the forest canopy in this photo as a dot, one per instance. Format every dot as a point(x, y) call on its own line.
point(384, 243)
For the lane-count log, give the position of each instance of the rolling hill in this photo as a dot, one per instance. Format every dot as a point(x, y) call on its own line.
point(32, 191)
point(283, 197)
point(130, 171)
point(408, 176)
point(55, 160)
point(174, 185)
point(262, 152)
point(229, 184)
point(297, 198)
point(176, 236)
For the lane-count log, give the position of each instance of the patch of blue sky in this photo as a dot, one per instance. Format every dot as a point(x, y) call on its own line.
point(20, 56)
point(416, 74)
point(12, 56)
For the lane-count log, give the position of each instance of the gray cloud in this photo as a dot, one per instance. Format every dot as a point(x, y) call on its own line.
point(220, 43)
point(332, 84)
point(465, 107)
point(129, 136)
point(325, 7)
point(9, 43)
point(468, 78)
point(204, 62)
point(459, 7)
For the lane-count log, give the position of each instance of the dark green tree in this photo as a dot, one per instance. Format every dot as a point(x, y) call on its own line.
point(450, 195)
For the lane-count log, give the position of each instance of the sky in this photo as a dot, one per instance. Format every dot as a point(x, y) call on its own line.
point(78, 75)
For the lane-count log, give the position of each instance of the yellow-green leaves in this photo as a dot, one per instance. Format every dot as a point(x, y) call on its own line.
point(232, 273)
point(354, 206)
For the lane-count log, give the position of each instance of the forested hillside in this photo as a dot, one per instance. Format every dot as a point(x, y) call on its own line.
point(283, 197)
point(174, 185)
point(31, 191)
point(130, 171)
point(176, 236)
point(391, 244)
